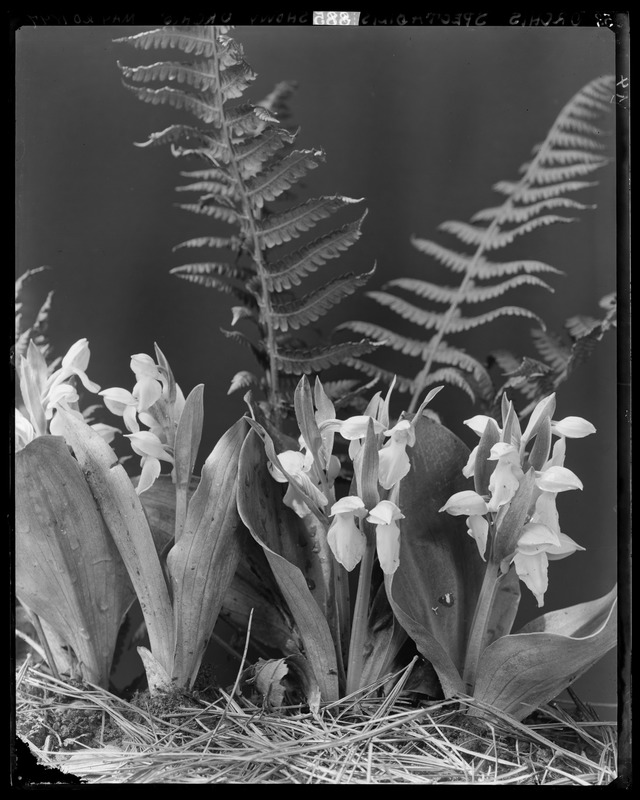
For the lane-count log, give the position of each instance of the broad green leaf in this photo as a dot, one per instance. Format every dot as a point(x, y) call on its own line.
point(275, 528)
point(188, 435)
point(202, 563)
point(68, 570)
point(520, 672)
point(124, 515)
point(434, 590)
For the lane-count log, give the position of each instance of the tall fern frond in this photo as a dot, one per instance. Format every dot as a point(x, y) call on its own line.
point(248, 161)
point(559, 166)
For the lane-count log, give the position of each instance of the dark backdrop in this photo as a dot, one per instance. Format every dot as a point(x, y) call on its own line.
point(419, 121)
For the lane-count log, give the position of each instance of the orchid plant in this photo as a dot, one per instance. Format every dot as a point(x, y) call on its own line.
point(85, 549)
point(396, 526)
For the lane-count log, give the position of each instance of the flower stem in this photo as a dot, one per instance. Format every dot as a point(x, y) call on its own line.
point(360, 621)
point(479, 625)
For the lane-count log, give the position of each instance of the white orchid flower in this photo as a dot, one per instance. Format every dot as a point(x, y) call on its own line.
point(505, 479)
point(572, 427)
point(392, 458)
point(151, 450)
point(25, 432)
point(131, 405)
point(474, 506)
point(385, 516)
point(346, 540)
point(75, 362)
point(61, 396)
point(354, 429)
point(295, 463)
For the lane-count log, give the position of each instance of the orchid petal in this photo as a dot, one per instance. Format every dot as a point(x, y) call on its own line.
point(465, 503)
point(393, 463)
point(150, 472)
point(77, 356)
point(143, 366)
point(478, 423)
point(402, 432)
point(347, 505)
point(572, 427)
point(346, 541)
point(470, 467)
point(557, 479)
point(546, 512)
point(116, 399)
point(504, 481)
point(145, 443)
point(478, 529)
point(90, 386)
point(388, 546)
point(503, 450)
point(566, 548)
point(536, 538)
point(147, 391)
point(384, 513)
point(532, 571)
point(25, 432)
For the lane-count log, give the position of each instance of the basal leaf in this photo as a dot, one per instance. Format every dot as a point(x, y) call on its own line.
point(124, 515)
point(520, 672)
point(68, 570)
point(434, 590)
point(202, 563)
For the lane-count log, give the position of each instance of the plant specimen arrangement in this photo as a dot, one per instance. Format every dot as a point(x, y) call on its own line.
point(358, 538)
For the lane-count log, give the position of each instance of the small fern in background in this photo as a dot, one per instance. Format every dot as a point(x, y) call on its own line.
point(251, 163)
point(559, 354)
point(559, 167)
point(31, 324)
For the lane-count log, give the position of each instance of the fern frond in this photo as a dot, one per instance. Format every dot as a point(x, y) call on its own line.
point(213, 268)
point(200, 75)
point(230, 242)
point(472, 294)
point(214, 276)
point(298, 313)
point(282, 174)
point(515, 214)
point(252, 155)
point(546, 175)
point(457, 324)
point(488, 240)
point(402, 383)
point(214, 210)
point(293, 267)
point(276, 229)
point(552, 348)
point(195, 39)
point(257, 349)
point(305, 361)
point(200, 106)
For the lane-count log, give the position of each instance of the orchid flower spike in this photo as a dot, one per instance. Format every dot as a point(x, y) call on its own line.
point(346, 540)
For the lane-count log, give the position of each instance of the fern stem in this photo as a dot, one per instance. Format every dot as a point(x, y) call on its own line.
point(360, 620)
point(248, 214)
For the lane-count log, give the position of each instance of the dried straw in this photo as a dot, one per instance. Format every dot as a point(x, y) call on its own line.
point(363, 739)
